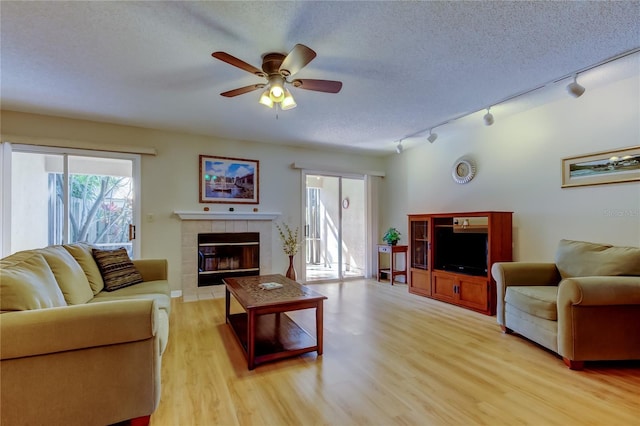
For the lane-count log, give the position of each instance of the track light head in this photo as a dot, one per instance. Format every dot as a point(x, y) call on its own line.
point(488, 117)
point(399, 148)
point(574, 88)
point(432, 137)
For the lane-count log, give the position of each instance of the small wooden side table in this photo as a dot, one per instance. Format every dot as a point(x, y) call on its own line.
point(392, 272)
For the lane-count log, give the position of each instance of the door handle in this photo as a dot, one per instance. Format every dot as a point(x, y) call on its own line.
point(132, 232)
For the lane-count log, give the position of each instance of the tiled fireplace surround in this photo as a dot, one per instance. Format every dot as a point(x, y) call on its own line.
point(195, 225)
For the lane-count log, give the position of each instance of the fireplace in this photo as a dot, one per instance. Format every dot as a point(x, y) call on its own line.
point(227, 254)
point(200, 222)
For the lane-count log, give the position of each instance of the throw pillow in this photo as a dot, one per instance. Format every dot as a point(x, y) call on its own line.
point(116, 268)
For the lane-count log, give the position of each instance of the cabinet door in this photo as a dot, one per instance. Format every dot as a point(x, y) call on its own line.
point(473, 292)
point(419, 243)
point(444, 287)
point(420, 282)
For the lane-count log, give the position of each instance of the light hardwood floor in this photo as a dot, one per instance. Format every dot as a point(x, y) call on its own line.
point(390, 358)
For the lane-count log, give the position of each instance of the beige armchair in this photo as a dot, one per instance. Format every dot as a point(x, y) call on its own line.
point(585, 306)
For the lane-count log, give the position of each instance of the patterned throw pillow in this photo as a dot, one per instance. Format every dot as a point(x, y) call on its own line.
point(116, 268)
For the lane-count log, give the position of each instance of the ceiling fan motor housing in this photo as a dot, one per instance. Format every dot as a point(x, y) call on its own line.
point(271, 63)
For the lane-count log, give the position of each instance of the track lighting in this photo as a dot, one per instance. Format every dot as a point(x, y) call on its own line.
point(488, 117)
point(574, 88)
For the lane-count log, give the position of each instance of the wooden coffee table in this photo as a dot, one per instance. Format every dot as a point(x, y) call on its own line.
point(264, 333)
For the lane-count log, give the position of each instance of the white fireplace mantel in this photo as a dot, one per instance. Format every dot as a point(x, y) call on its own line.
point(195, 215)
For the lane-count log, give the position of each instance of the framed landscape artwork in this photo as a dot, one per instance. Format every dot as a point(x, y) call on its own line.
point(228, 180)
point(621, 165)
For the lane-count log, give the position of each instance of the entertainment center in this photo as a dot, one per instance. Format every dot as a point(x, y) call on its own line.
point(451, 255)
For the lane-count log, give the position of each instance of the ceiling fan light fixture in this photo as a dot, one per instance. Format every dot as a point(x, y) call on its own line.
point(288, 102)
point(265, 99)
point(276, 90)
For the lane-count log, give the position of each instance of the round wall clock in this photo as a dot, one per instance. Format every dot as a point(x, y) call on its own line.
point(463, 171)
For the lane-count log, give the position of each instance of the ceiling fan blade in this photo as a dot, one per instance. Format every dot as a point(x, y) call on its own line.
point(232, 60)
point(242, 90)
point(297, 59)
point(328, 86)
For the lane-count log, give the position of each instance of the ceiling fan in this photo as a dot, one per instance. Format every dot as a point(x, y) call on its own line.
point(277, 69)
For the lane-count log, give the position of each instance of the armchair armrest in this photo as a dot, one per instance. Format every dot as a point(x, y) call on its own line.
point(598, 318)
point(508, 274)
point(45, 331)
point(525, 273)
point(152, 269)
point(599, 291)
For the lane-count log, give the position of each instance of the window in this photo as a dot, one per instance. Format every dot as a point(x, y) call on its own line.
point(59, 196)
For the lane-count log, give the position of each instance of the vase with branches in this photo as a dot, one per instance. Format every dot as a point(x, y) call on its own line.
point(290, 245)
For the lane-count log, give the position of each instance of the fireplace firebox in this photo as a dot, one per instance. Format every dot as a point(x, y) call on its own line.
point(229, 254)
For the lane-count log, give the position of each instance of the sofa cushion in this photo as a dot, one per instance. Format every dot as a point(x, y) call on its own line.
point(583, 259)
point(539, 301)
point(116, 268)
point(69, 275)
point(27, 282)
point(82, 254)
point(146, 287)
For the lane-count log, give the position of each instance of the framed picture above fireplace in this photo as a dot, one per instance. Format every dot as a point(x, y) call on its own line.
point(228, 180)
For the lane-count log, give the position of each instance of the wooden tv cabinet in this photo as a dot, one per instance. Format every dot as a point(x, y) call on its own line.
point(430, 276)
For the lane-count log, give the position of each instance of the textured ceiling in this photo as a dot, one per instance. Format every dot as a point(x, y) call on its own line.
point(405, 65)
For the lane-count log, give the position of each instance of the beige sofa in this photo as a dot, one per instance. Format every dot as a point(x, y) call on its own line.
point(73, 353)
point(585, 306)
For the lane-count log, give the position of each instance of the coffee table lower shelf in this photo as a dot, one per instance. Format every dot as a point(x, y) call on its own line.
point(276, 336)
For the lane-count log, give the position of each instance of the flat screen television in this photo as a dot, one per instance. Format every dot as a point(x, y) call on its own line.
point(461, 252)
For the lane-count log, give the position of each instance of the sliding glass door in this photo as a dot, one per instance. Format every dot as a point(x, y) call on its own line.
point(59, 196)
point(335, 227)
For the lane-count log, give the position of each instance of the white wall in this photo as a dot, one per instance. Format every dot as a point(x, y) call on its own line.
point(170, 179)
point(519, 160)
point(518, 170)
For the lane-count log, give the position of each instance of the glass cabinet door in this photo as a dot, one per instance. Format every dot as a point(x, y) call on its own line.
point(420, 244)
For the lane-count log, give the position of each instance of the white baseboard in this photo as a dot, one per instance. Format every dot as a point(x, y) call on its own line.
point(176, 293)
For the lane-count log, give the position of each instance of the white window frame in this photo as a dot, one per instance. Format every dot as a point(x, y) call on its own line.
point(5, 186)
